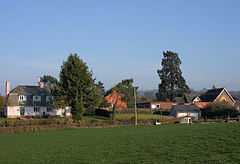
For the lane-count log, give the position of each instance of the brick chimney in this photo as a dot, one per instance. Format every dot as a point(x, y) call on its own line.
point(8, 88)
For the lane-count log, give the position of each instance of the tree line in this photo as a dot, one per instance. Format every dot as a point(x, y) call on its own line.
point(78, 88)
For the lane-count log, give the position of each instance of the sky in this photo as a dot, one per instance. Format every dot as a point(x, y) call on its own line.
point(121, 39)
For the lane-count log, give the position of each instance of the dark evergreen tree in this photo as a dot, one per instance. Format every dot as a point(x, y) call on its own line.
point(172, 82)
point(101, 88)
point(78, 85)
point(50, 82)
point(101, 92)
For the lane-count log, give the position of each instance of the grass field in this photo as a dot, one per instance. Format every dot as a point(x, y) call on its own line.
point(211, 143)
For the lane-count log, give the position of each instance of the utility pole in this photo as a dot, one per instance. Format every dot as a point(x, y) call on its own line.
point(135, 106)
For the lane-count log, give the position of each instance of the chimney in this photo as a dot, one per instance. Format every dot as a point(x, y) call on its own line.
point(40, 83)
point(8, 87)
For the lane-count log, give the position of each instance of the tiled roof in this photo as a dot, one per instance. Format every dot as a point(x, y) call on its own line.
point(202, 105)
point(116, 99)
point(186, 108)
point(30, 90)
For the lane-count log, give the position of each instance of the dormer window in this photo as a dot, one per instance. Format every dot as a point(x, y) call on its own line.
point(36, 98)
point(22, 98)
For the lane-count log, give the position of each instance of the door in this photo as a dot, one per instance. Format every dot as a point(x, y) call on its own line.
point(22, 111)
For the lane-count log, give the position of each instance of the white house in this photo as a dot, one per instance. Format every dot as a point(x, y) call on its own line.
point(31, 101)
point(186, 113)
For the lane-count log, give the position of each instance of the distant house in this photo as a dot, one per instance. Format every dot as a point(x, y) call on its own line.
point(196, 99)
point(156, 105)
point(31, 101)
point(186, 113)
point(218, 95)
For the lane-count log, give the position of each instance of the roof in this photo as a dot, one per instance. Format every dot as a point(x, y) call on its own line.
point(116, 99)
point(211, 95)
point(30, 90)
point(143, 102)
point(186, 108)
point(166, 105)
point(202, 105)
point(236, 98)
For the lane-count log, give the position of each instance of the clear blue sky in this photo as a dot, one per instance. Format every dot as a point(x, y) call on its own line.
point(121, 39)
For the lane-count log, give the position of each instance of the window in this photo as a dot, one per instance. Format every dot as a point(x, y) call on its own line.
point(37, 98)
point(36, 109)
point(49, 98)
point(49, 109)
point(22, 98)
point(22, 111)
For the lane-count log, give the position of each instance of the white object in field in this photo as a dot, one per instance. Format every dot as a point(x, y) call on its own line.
point(158, 123)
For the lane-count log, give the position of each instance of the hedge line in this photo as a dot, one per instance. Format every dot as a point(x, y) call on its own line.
point(34, 122)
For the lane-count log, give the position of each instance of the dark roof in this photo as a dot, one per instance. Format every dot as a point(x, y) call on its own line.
point(186, 108)
point(236, 98)
point(183, 99)
point(30, 90)
point(211, 95)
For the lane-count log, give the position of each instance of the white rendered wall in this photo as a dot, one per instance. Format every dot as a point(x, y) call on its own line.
point(29, 111)
point(13, 111)
point(195, 115)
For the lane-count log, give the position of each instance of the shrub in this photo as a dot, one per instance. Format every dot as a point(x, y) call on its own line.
point(164, 113)
point(104, 113)
point(132, 110)
point(220, 110)
point(34, 122)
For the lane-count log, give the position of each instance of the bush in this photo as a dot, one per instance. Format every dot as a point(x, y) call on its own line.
point(132, 110)
point(78, 110)
point(220, 110)
point(34, 122)
point(104, 113)
point(164, 113)
point(93, 122)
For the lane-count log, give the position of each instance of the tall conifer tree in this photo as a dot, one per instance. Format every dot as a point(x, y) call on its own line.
point(79, 86)
point(172, 83)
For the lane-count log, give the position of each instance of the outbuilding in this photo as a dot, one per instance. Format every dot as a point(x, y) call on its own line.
point(186, 113)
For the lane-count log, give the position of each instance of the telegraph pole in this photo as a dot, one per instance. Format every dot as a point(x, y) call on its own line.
point(135, 106)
